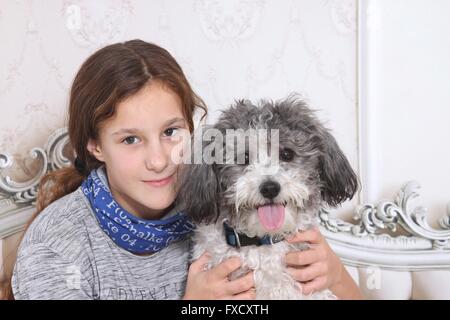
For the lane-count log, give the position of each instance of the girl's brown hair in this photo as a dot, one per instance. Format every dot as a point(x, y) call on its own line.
point(105, 79)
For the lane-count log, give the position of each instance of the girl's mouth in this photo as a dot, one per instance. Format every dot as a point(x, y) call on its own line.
point(160, 183)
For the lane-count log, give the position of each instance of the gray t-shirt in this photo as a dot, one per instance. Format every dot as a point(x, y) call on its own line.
point(65, 255)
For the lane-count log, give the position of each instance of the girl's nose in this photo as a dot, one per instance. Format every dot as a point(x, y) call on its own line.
point(156, 159)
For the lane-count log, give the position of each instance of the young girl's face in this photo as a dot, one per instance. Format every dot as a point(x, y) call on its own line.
point(137, 146)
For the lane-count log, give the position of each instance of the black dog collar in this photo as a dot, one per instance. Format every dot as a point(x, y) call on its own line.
point(238, 240)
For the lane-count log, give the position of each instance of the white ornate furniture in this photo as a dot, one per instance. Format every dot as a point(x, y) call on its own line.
point(414, 265)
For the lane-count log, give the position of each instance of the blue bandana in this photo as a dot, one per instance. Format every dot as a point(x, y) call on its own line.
point(126, 230)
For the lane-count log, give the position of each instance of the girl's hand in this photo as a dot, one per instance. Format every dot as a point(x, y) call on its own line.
point(317, 268)
point(214, 284)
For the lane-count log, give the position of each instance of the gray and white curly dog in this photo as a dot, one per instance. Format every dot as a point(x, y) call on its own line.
point(245, 208)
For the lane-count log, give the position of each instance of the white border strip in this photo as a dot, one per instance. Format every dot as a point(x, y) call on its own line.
point(367, 117)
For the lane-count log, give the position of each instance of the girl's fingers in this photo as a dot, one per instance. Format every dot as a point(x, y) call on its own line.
point(309, 273)
point(312, 236)
point(223, 269)
point(247, 295)
point(315, 285)
point(199, 264)
point(241, 284)
point(302, 258)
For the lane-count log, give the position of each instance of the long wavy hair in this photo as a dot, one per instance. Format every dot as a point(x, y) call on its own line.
point(106, 78)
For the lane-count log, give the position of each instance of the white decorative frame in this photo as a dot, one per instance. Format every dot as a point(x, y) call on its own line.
point(368, 243)
point(17, 199)
point(364, 244)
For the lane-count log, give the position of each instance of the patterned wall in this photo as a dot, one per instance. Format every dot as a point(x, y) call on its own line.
point(228, 49)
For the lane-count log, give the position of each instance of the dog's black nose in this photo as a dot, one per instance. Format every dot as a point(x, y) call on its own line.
point(270, 189)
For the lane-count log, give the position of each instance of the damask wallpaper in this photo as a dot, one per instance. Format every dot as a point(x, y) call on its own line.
point(228, 49)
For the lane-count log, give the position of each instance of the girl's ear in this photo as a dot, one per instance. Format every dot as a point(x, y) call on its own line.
point(95, 149)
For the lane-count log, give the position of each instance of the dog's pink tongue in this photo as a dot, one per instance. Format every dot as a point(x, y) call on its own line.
point(271, 216)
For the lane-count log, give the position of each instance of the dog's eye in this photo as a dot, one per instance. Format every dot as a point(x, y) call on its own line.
point(246, 159)
point(286, 154)
point(243, 159)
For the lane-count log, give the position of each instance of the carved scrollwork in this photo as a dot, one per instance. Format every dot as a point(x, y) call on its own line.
point(445, 221)
point(51, 158)
point(333, 224)
point(388, 215)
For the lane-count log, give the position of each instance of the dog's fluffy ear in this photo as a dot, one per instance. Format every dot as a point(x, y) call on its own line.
point(198, 188)
point(339, 181)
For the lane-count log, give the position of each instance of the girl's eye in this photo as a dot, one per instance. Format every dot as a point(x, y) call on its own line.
point(170, 132)
point(131, 140)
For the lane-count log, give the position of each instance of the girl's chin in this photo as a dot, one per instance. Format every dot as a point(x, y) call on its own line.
point(161, 203)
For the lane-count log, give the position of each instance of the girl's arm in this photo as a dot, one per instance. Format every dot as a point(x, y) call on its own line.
point(319, 268)
point(346, 289)
point(42, 274)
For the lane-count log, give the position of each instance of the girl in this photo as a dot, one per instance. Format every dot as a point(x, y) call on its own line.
point(108, 227)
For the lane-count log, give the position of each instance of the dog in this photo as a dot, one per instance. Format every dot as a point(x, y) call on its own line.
point(246, 208)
